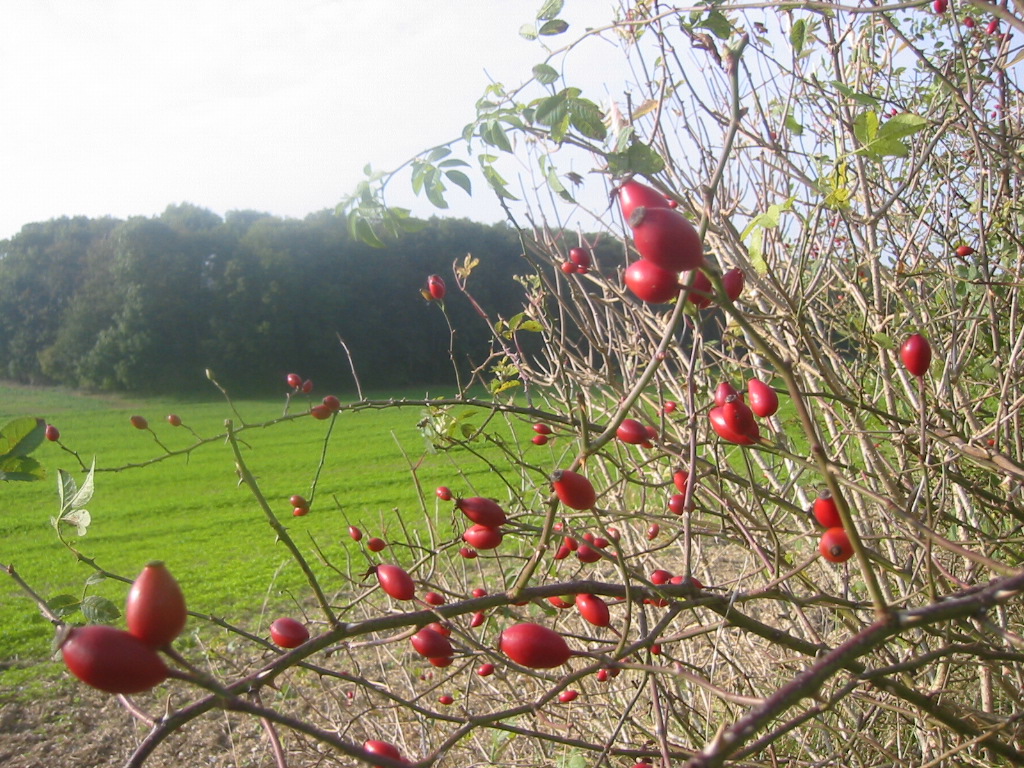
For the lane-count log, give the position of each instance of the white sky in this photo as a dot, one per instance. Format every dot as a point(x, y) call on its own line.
point(122, 107)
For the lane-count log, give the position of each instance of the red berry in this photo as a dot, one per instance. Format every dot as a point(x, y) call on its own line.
point(485, 670)
point(580, 257)
point(294, 380)
point(569, 695)
point(825, 511)
point(286, 632)
point(573, 490)
point(445, 699)
point(431, 644)
point(155, 611)
point(593, 609)
point(669, 406)
point(534, 646)
point(916, 353)
point(384, 749)
point(681, 478)
point(300, 512)
point(355, 533)
point(436, 287)
point(320, 412)
point(723, 391)
point(483, 537)
point(174, 419)
point(632, 431)
point(738, 416)
point(660, 576)
point(764, 401)
point(52, 433)
point(568, 267)
point(298, 501)
point(632, 195)
point(940, 6)
point(541, 428)
point(993, 27)
point(969, 22)
point(112, 660)
point(307, 386)
point(467, 553)
point(477, 619)
point(677, 503)
point(139, 422)
point(333, 403)
point(964, 251)
point(587, 554)
point(443, 493)
point(479, 592)
point(395, 581)
point(653, 531)
point(667, 239)
point(539, 439)
point(559, 602)
point(651, 283)
point(432, 598)
point(835, 546)
point(482, 511)
point(375, 544)
point(733, 282)
point(724, 429)
point(701, 293)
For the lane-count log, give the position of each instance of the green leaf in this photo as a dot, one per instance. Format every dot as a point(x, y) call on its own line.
point(529, 31)
point(865, 127)
point(553, 27)
point(793, 126)
point(550, 10)
point(493, 134)
point(21, 469)
point(438, 153)
point(545, 74)
point(718, 24)
point(585, 117)
point(19, 437)
point(66, 488)
point(459, 179)
point(497, 183)
point(80, 519)
point(798, 36)
point(883, 340)
point(755, 250)
point(100, 610)
point(552, 109)
point(361, 230)
point(63, 605)
point(95, 578)
point(902, 125)
point(84, 494)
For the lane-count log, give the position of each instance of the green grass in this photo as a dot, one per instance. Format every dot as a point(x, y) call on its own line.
point(191, 512)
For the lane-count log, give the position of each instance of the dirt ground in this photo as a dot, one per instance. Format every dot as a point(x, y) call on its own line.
point(88, 729)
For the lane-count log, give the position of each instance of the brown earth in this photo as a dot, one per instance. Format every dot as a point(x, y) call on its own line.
point(79, 727)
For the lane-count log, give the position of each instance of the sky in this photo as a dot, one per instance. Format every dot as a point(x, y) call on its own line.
point(121, 107)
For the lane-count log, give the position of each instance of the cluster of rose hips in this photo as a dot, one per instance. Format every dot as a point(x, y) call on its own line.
point(733, 419)
point(579, 261)
point(119, 661)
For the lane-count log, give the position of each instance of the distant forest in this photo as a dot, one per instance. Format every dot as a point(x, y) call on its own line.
point(148, 304)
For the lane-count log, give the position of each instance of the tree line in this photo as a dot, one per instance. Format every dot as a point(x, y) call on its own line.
point(148, 304)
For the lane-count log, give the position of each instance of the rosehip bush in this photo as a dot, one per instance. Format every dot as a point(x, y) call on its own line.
point(836, 576)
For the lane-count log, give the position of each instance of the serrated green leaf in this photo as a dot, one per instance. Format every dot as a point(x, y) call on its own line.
point(435, 192)
point(556, 185)
point(530, 325)
point(793, 126)
point(63, 605)
point(66, 488)
point(865, 127)
point(528, 31)
point(550, 10)
point(494, 134)
point(552, 109)
point(798, 36)
point(496, 182)
point(95, 578)
point(497, 387)
point(21, 436)
point(886, 148)
point(717, 24)
point(585, 116)
point(901, 126)
point(21, 469)
point(545, 74)
point(453, 162)
point(755, 251)
point(459, 179)
point(100, 610)
point(553, 27)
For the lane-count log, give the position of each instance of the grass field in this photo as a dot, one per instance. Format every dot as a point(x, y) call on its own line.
point(190, 511)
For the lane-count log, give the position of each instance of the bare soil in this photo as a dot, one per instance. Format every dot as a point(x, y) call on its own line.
point(89, 729)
